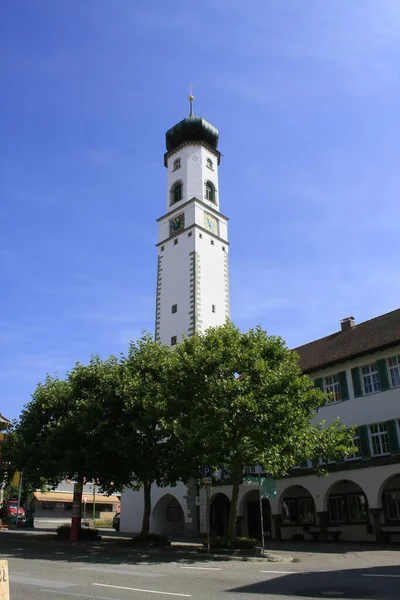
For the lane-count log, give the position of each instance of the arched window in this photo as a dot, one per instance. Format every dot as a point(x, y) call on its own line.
point(210, 191)
point(210, 164)
point(176, 192)
point(177, 164)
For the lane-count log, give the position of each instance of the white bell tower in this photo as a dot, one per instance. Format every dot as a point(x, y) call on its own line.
point(192, 273)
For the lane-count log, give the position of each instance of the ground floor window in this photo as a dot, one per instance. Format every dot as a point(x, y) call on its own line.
point(392, 505)
point(351, 508)
point(298, 511)
point(357, 508)
point(336, 509)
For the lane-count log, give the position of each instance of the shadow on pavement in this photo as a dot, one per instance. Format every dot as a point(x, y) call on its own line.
point(111, 552)
point(377, 583)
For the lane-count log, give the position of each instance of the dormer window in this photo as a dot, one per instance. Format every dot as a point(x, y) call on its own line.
point(210, 192)
point(177, 164)
point(176, 192)
point(209, 164)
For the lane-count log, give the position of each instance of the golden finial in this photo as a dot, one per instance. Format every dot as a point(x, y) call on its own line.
point(191, 98)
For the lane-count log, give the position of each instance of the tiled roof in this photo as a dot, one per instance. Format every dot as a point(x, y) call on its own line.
point(369, 336)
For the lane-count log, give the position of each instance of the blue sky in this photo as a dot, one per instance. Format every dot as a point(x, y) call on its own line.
point(306, 98)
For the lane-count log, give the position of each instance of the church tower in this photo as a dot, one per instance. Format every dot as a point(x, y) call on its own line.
point(192, 274)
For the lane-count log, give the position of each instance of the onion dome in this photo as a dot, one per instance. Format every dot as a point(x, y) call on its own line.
point(191, 129)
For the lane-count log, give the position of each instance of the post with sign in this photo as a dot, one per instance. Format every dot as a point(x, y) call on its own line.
point(261, 517)
point(4, 583)
point(207, 478)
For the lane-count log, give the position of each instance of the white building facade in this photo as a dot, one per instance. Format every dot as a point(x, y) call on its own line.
point(360, 498)
point(192, 286)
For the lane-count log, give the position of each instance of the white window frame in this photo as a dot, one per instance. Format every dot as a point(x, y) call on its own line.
point(341, 502)
point(308, 510)
point(394, 370)
point(177, 164)
point(370, 379)
point(380, 434)
point(388, 507)
point(361, 502)
point(289, 518)
point(357, 445)
point(332, 386)
point(210, 164)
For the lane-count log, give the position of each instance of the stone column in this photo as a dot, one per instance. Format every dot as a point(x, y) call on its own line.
point(192, 527)
point(277, 519)
point(376, 522)
point(323, 524)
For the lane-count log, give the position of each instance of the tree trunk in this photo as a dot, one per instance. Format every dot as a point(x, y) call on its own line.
point(147, 508)
point(236, 481)
point(76, 511)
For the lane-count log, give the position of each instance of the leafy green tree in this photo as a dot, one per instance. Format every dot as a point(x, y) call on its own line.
point(65, 431)
point(144, 431)
point(240, 399)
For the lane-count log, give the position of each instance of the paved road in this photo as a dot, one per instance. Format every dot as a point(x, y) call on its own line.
point(80, 573)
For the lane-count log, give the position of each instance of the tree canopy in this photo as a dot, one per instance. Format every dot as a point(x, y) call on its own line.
point(222, 398)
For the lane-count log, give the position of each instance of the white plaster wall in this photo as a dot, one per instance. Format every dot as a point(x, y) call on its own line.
point(371, 408)
point(193, 172)
point(369, 479)
point(212, 279)
point(175, 286)
point(132, 504)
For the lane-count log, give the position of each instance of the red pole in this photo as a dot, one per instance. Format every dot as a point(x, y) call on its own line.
point(76, 513)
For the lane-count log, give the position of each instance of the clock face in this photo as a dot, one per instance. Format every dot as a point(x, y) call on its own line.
point(210, 223)
point(177, 224)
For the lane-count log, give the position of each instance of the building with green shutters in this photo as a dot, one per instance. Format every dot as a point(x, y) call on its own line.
point(359, 367)
point(360, 499)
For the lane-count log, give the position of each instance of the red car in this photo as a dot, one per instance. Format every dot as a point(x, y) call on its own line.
point(10, 513)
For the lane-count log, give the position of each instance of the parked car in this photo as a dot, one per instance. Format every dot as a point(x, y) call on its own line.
point(115, 521)
point(9, 513)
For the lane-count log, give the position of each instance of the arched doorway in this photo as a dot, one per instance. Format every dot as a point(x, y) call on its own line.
point(390, 498)
point(168, 517)
point(219, 514)
point(250, 509)
point(297, 506)
point(346, 504)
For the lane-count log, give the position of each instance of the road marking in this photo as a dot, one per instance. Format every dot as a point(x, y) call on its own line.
point(377, 575)
point(286, 572)
point(119, 587)
point(204, 568)
point(122, 571)
point(55, 585)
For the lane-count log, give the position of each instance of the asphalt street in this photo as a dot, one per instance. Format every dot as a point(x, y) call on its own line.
point(62, 574)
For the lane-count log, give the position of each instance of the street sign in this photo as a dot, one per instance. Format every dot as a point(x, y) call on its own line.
point(4, 583)
point(206, 472)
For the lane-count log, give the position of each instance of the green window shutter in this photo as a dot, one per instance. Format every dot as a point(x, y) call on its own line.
point(355, 375)
point(383, 373)
point(393, 437)
point(364, 441)
point(344, 388)
point(318, 383)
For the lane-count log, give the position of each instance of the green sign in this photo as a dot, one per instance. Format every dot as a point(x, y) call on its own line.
point(268, 485)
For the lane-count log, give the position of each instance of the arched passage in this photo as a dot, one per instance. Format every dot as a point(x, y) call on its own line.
point(389, 499)
point(346, 504)
point(297, 506)
point(219, 514)
point(250, 509)
point(168, 517)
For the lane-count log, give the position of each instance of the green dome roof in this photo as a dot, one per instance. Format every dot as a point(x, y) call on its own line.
point(191, 129)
